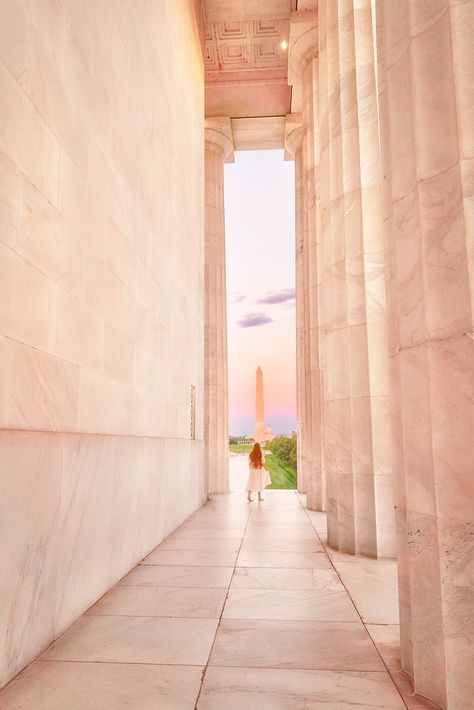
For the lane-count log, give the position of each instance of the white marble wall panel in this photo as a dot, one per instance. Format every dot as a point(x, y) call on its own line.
point(102, 301)
point(92, 232)
point(78, 511)
point(30, 483)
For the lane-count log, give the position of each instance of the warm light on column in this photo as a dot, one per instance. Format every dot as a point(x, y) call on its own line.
point(284, 44)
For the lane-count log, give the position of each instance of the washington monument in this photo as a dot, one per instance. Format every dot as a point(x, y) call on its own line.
point(259, 409)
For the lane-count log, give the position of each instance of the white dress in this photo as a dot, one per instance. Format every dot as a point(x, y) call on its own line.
point(259, 478)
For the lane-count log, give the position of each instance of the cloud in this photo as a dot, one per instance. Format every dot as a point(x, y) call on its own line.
point(236, 297)
point(251, 320)
point(283, 296)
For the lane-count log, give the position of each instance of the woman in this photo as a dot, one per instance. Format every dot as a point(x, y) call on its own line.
point(259, 477)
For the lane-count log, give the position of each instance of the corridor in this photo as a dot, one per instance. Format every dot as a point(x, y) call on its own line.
point(242, 606)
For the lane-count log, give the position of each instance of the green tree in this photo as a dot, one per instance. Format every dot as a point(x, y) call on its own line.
point(285, 448)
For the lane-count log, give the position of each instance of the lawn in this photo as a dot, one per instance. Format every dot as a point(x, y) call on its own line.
point(282, 475)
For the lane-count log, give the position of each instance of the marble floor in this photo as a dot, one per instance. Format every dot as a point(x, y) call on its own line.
point(242, 606)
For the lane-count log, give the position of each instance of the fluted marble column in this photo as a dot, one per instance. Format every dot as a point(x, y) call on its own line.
point(303, 76)
point(426, 61)
point(358, 438)
point(218, 149)
point(294, 151)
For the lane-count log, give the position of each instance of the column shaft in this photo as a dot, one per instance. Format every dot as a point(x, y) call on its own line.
point(341, 524)
point(358, 437)
point(425, 56)
point(309, 116)
point(216, 432)
point(300, 321)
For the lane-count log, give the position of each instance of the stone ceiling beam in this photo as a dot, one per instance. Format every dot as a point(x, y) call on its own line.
point(242, 10)
point(261, 133)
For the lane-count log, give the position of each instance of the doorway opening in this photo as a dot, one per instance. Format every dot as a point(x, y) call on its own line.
point(261, 323)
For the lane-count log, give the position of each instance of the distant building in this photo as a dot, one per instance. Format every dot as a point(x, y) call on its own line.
point(269, 435)
point(262, 434)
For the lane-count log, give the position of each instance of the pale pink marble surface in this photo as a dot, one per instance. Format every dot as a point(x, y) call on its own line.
point(389, 141)
point(191, 602)
point(95, 686)
point(218, 149)
point(289, 638)
point(268, 689)
point(427, 151)
point(298, 605)
point(178, 576)
point(61, 494)
point(101, 322)
point(355, 433)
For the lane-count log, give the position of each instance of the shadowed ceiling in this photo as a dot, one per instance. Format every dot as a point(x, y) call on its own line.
point(246, 68)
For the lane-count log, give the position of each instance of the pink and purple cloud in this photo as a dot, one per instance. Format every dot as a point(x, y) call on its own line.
point(250, 320)
point(276, 297)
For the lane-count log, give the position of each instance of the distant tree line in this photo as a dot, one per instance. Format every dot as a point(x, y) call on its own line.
point(237, 439)
point(285, 448)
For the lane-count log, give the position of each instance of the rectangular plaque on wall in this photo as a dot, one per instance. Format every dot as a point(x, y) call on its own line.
point(193, 412)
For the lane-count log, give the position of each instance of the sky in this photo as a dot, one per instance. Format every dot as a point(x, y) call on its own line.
point(260, 256)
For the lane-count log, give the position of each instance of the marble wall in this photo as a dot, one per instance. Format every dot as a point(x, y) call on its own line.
point(427, 137)
point(101, 309)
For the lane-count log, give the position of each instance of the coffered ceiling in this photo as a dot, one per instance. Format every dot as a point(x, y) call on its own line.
point(246, 66)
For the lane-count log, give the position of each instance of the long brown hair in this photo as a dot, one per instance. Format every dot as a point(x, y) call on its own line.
point(256, 457)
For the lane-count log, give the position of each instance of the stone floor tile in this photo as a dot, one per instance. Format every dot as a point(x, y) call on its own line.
point(261, 532)
point(272, 578)
point(220, 533)
point(296, 604)
point(318, 521)
point(221, 520)
point(265, 689)
point(302, 645)
point(289, 637)
point(285, 517)
point(177, 542)
point(135, 639)
point(276, 524)
point(178, 576)
point(372, 584)
point(195, 558)
point(387, 640)
point(281, 545)
point(259, 558)
point(208, 522)
point(191, 602)
point(102, 686)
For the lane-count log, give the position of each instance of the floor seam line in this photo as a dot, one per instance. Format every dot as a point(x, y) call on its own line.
point(354, 605)
point(222, 611)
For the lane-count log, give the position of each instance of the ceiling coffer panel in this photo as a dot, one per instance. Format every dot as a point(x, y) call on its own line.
point(245, 45)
